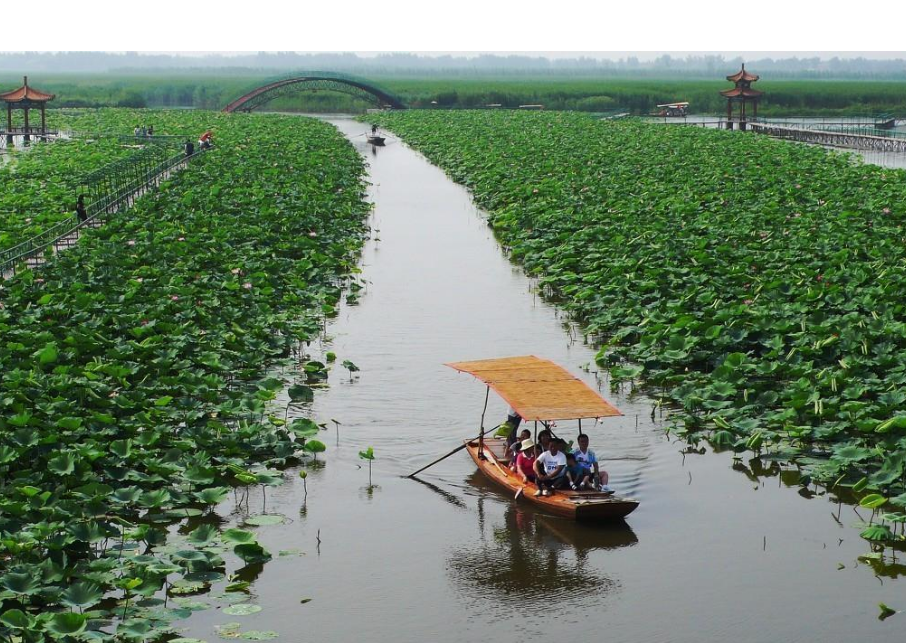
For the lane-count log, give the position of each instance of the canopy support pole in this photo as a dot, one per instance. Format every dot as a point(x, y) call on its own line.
point(580, 430)
point(487, 393)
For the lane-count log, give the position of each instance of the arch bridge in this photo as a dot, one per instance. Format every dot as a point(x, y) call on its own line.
point(315, 81)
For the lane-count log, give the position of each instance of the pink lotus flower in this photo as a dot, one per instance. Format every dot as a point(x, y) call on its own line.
point(140, 279)
point(247, 285)
point(174, 298)
point(39, 281)
point(235, 271)
point(131, 242)
point(798, 186)
point(886, 210)
point(181, 239)
point(535, 191)
point(748, 302)
point(312, 234)
point(28, 220)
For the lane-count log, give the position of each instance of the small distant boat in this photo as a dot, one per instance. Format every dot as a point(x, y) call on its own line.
point(542, 391)
point(376, 140)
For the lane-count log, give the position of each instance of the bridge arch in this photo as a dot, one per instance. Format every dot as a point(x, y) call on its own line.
point(315, 80)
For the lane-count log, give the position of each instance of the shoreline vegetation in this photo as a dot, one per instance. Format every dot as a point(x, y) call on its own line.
point(213, 89)
point(755, 286)
point(135, 393)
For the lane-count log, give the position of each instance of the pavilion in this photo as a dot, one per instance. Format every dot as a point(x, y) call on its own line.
point(740, 95)
point(25, 98)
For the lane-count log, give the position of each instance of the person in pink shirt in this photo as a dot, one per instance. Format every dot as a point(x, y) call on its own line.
point(525, 463)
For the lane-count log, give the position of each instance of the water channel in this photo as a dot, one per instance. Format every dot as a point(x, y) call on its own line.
point(716, 551)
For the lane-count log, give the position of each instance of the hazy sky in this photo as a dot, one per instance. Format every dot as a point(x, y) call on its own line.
point(642, 55)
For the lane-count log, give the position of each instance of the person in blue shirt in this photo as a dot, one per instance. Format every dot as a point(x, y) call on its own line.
point(579, 477)
point(587, 459)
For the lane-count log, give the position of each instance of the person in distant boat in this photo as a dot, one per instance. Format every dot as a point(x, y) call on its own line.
point(579, 477)
point(587, 459)
point(136, 131)
point(373, 129)
point(80, 209)
point(150, 130)
point(550, 468)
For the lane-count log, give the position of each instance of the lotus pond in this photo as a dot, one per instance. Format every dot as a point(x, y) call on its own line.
point(135, 392)
point(755, 287)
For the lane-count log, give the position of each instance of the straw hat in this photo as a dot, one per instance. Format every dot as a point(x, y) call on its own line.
point(527, 444)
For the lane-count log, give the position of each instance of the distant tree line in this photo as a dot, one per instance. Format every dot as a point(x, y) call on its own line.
point(412, 64)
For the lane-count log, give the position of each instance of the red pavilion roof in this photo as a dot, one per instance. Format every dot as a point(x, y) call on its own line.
point(26, 93)
point(742, 74)
point(741, 92)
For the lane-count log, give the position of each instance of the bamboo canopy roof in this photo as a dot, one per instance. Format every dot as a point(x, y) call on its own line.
point(538, 389)
point(26, 94)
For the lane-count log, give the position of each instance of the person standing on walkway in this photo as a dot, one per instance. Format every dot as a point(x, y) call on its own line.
point(80, 209)
point(190, 148)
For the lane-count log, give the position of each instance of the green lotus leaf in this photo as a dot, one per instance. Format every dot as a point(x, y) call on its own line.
point(82, 594)
point(20, 583)
point(242, 609)
point(62, 464)
point(213, 495)
point(203, 535)
point(17, 619)
point(67, 624)
point(251, 553)
point(237, 536)
point(300, 393)
point(265, 519)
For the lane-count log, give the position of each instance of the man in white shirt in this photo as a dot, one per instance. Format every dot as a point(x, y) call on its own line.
point(549, 469)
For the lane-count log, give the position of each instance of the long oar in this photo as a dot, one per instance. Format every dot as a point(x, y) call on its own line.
point(456, 450)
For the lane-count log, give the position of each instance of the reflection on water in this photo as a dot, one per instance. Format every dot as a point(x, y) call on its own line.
point(523, 555)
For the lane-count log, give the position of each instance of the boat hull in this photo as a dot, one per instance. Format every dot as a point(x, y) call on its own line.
point(577, 505)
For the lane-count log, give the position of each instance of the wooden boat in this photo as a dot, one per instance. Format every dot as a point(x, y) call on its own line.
point(541, 391)
point(376, 140)
point(578, 505)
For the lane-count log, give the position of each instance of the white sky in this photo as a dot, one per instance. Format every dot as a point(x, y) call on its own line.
point(565, 27)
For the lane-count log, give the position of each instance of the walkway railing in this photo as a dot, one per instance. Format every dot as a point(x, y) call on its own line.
point(111, 189)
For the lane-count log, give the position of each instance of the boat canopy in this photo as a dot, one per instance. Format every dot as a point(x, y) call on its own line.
point(538, 389)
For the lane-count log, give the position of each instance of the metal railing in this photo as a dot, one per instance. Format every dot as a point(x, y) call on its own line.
point(112, 188)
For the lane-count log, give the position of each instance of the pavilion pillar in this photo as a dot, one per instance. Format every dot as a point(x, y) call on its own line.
point(9, 117)
point(43, 120)
point(27, 138)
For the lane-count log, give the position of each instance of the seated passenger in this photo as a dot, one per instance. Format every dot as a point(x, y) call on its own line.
point(550, 469)
point(544, 439)
point(578, 476)
point(525, 463)
point(587, 459)
point(516, 447)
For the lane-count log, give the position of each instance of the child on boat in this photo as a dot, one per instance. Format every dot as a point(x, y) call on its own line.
point(578, 476)
point(587, 459)
point(525, 463)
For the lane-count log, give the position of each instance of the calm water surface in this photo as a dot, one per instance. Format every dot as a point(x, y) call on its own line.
point(715, 551)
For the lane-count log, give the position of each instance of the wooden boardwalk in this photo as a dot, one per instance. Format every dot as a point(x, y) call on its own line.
point(832, 139)
point(70, 235)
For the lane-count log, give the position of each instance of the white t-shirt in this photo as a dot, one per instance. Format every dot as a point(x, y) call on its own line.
point(550, 462)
